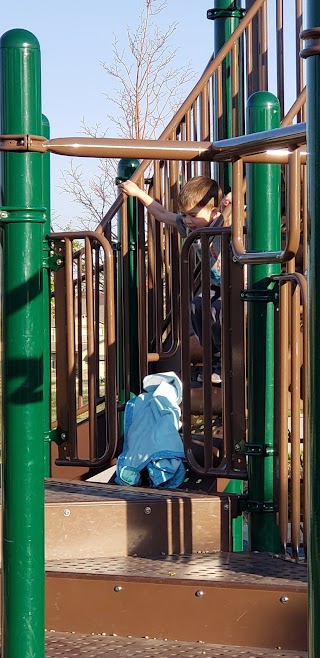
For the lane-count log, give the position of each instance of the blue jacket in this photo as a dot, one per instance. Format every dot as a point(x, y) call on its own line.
point(151, 434)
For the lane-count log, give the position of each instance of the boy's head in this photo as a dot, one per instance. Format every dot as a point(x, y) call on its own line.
point(199, 201)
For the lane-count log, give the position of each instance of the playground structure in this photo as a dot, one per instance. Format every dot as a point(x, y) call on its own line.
point(143, 563)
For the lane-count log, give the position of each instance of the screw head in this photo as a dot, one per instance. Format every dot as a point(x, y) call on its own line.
point(199, 593)
point(66, 512)
point(117, 588)
point(284, 599)
point(147, 510)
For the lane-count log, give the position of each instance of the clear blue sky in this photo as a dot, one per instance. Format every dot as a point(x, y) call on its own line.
point(74, 38)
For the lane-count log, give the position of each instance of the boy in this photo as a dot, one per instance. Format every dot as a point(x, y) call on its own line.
point(201, 204)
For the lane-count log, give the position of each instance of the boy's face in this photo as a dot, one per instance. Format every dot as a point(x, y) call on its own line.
point(198, 217)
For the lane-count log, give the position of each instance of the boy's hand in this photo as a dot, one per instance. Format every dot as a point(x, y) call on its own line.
point(225, 209)
point(129, 188)
point(226, 201)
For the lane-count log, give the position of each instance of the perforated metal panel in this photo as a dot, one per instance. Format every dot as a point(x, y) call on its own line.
point(63, 645)
point(245, 568)
point(60, 490)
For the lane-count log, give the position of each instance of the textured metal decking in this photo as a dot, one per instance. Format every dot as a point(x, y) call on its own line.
point(246, 569)
point(57, 491)
point(60, 645)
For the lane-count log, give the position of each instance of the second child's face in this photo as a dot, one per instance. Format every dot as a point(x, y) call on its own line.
point(199, 217)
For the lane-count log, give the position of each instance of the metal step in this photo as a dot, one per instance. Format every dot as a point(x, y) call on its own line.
point(60, 645)
point(90, 520)
point(244, 599)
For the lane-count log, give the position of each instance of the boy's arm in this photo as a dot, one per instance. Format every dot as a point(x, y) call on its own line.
point(155, 208)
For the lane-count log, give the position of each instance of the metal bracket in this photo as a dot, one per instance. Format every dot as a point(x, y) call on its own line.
point(254, 449)
point(266, 295)
point(53, 262)
point(257, 506)
point(23, 143)
point(212, 14)
point(56, 435)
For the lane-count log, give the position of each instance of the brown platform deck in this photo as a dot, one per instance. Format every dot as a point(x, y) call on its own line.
point(58, 491)
point(106, 520)
point(60, 645)
point(143, 562)
point(121, 570)
point(246, 599)
point(260, 570)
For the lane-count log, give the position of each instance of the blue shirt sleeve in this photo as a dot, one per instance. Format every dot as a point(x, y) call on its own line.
point(181, 227)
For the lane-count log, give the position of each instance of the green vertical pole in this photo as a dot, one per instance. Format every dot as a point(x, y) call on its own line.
point(126, 168)
point(236, 487)
point(226, 15)
point(46, 301)
point(22, 219)
point(311, 53)
point(263, 234)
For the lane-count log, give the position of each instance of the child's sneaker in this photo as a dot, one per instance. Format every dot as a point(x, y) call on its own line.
point(215, 377)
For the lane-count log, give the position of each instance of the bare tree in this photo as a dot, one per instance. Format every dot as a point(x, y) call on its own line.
point(148, 90)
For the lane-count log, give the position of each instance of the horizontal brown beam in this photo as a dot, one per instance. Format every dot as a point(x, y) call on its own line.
point(154, 149)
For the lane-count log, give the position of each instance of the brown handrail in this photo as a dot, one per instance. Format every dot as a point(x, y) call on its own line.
point(290, 326)
point(232, 465)
point(293, 218)
point(71, 457)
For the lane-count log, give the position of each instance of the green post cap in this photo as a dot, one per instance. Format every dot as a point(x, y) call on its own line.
point(18, 38)
point(126, 167)
point(263, 99)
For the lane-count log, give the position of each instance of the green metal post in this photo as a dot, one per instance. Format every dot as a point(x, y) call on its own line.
point(311, 53)
point(126, 168)
point(263, 234)
point(226, 15)
point(46, 301)
point(236, 487)
point(22, 218)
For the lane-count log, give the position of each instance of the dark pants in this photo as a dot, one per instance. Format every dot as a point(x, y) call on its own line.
point(196, 319)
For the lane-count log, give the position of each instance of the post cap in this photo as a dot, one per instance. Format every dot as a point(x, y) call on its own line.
point(18, 38)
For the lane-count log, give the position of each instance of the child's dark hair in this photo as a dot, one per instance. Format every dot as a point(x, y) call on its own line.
point(200, 191)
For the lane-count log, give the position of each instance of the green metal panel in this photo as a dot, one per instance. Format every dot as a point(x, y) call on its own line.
point(313, 167)
point(46, 300)
point(263, 234)
point(23, 422)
